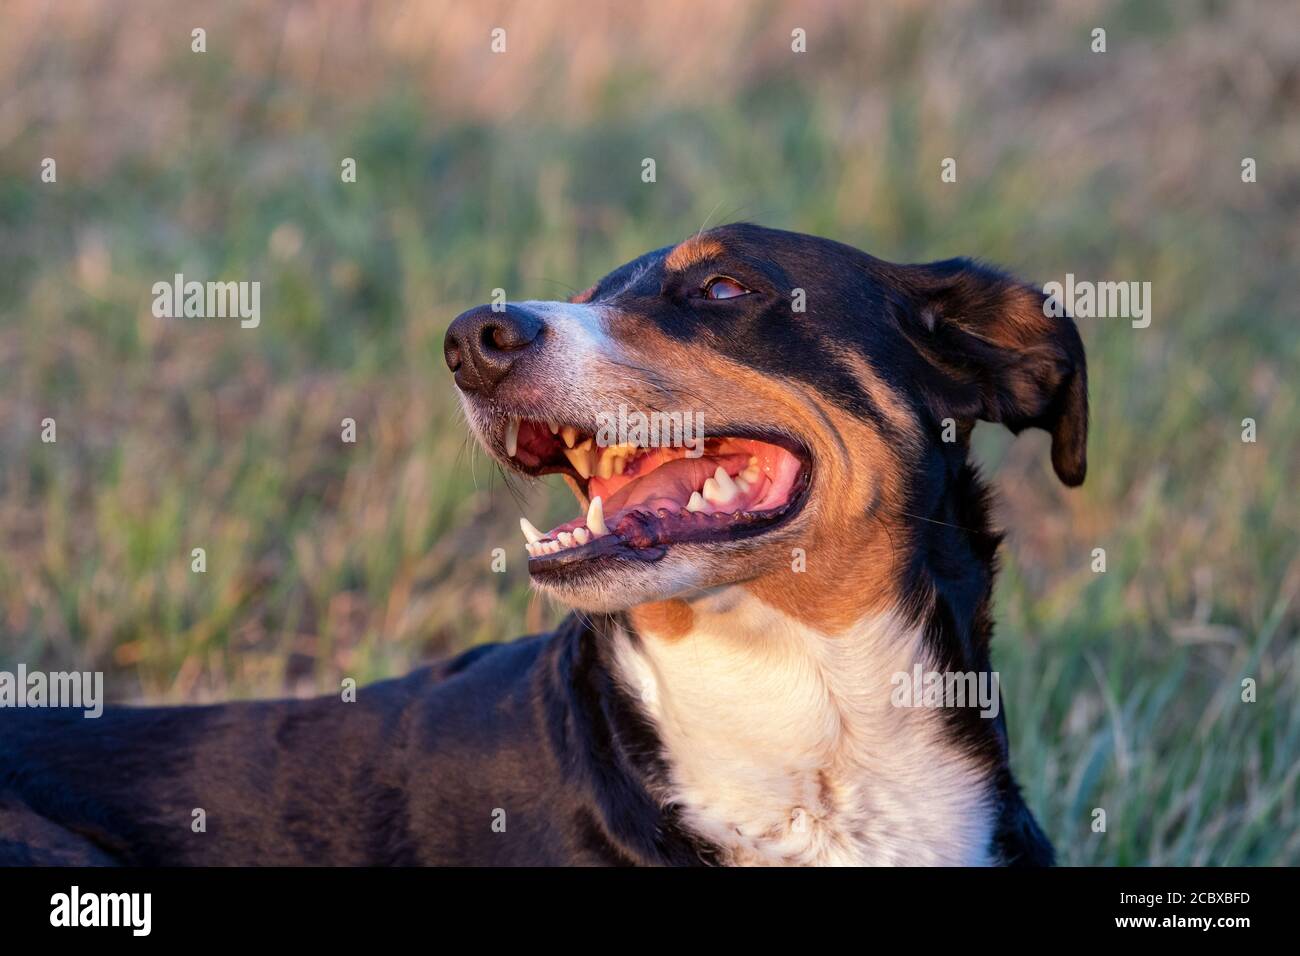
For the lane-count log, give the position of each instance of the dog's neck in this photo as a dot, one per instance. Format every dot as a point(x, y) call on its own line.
point(783, 746)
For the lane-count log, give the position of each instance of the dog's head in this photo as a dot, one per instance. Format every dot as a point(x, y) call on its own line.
point(836, 395)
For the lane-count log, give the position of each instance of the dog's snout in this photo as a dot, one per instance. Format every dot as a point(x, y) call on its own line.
point(481, 345)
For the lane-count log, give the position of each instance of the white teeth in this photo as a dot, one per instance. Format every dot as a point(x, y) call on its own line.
point(562, 540)
point(719, 489)
point(596, 518)
point(512, 436)
point(711, 492)
point(580, 459)
point(552, 426)
point(722, 488)
point(696, 503)
point(569, 434)
point(531, 533)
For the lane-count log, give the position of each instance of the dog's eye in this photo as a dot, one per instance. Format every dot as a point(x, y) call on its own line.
point(721, 287)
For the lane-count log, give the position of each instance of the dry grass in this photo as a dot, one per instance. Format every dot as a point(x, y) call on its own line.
point(522, 171)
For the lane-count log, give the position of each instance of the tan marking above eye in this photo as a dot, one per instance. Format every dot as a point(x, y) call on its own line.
point(693, 251)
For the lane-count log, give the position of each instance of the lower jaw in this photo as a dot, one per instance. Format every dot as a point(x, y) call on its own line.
point(641, 500)
point(646, 538)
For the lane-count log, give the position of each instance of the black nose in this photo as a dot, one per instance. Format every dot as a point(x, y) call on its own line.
point(481, 345)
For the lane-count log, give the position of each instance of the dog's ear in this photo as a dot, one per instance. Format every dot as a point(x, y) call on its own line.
point(995, 353)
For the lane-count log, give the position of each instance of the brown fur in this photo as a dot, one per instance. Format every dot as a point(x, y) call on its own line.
point(693, 251)
point(668, 620)
point(856, 473)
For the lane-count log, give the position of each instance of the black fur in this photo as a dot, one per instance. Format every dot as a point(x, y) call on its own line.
point(418, 769)
point(411, 773)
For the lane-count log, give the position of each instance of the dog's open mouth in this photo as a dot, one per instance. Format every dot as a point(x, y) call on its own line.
point(638, 500)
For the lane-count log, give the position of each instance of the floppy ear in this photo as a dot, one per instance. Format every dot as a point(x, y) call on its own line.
point(997, 355)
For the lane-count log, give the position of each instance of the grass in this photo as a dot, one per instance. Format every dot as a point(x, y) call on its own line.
point(326, 559)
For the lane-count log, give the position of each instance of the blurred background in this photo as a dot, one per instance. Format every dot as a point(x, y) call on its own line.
point(522, 170)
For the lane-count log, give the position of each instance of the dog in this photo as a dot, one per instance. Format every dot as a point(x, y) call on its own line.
point(746, 601)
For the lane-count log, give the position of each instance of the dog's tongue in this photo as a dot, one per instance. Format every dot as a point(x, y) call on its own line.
point(671, 484)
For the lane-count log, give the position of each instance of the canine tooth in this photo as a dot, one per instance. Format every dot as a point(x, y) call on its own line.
point(512, 436)
point(726, 486)
point(569, 434)
point(696, 503)
point(596, 518)
point(566, 539)
point(711, 492)
point(553, 426)
point(531, 533)
point(581, 535)
point(580, 459)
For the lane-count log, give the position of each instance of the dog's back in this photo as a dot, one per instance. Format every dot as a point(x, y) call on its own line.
point(519, 754)
point(375, 781)
point(758, 595)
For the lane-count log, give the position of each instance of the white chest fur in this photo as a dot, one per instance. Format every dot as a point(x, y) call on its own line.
point(784, 747)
